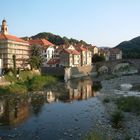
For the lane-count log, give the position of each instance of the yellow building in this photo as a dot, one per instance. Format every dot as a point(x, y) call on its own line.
point(11, 45)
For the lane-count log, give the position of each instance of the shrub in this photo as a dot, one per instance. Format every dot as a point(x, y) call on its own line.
point(39, 82)
point(106, 100)
point(116, 119)
point(129, 104)
point(95, 136)
point(96, 86)
point(17, 88)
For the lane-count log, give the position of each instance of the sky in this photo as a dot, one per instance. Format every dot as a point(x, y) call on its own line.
point(98, 22)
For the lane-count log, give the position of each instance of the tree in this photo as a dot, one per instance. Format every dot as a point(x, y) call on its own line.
point(36, 59)
point(14, 65)
point(98, 58)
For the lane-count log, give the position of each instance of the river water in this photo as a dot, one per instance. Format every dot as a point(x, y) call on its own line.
point(62, 112)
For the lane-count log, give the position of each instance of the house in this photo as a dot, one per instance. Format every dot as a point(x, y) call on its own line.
point(111, 54)
point(85, 55)
point(75, 56)
point(104, 52)
point(94, 50)
point(12, 46)
point(115, 54)
point(47, 49)
point(70, 57)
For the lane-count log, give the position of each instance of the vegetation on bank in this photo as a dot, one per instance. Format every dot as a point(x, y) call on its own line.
point(129, 104)
point(117, 119)
point(28, 81)
point(95, 135)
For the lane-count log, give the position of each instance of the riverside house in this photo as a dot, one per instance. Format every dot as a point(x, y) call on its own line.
point(47, 49)
point(13, 46)
point(75, 56)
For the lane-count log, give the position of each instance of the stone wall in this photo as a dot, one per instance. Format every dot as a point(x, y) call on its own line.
point(58, 71)
point(75, 72)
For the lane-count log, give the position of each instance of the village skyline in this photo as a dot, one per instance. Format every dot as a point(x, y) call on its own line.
point(103, 23)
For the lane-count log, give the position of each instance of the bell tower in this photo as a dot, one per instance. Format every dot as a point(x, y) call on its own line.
point(4, 28)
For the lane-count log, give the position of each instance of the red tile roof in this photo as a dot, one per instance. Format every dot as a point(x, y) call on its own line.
point(42, 42)
point(53, 61)
point(11, 37)
point(81, 48)
point(70, 51)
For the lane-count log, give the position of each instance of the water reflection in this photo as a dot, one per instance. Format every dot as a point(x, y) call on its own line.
point(15, 110)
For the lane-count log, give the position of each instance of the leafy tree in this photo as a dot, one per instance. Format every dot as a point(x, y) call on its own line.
point(36, 59)
point(98, 58)
point(14, 65)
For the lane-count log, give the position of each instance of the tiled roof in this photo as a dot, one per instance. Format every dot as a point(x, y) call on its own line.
point(42, 42)
point(70, 51)
point(53, 61)
point(11, 37)
point(81, 48)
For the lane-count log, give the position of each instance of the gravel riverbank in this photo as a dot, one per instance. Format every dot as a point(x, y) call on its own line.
point(131, 123)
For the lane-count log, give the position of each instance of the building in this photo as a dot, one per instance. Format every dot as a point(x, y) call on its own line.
point(47, 49)
point(85, 55)
point(94, 50)
point(115, 54)
point(75, 56)
point(70, 57)
point(12, 46)
point(111, 54)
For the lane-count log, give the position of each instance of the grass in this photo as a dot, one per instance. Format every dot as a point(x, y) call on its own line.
point(27, 82)
point(95, 136)
point(117, 119)
point(40, 82)
point(129, 104)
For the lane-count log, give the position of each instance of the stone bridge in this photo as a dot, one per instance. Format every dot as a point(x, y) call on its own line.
point(111, 66)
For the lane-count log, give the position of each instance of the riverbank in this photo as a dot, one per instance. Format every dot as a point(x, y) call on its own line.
point(27, 81)
point(115, 125)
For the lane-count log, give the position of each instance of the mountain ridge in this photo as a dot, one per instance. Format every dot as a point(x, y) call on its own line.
point(131, 48)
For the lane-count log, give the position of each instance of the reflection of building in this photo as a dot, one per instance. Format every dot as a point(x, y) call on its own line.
point(83, 90)
point(14, 112)
point(50, 96)
point(13, 46)
point(1, 108)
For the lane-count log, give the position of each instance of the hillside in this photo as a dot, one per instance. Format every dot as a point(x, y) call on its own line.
point(131, 49)
point(55, 39)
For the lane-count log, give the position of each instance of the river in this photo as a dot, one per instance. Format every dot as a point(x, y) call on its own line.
point(70, 111)
point(61, 112)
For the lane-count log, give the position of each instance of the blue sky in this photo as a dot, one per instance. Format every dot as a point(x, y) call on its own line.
point(99, 22)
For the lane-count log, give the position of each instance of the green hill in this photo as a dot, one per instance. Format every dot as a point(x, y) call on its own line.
point(56, 39)
point(130, 49)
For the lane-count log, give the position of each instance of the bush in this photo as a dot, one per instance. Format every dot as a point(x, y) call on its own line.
point(129, 104)
point(96, 86)
point(17, 88)
point(95, 136)
point(106, 100)
point(116, 119)
point(39, 82)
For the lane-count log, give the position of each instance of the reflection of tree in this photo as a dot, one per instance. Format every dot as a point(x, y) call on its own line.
point(96, 86)
point(16, 110)
point(37, 102)
point(64, 96)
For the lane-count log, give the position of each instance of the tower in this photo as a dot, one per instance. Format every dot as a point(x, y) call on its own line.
point(4, 28)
